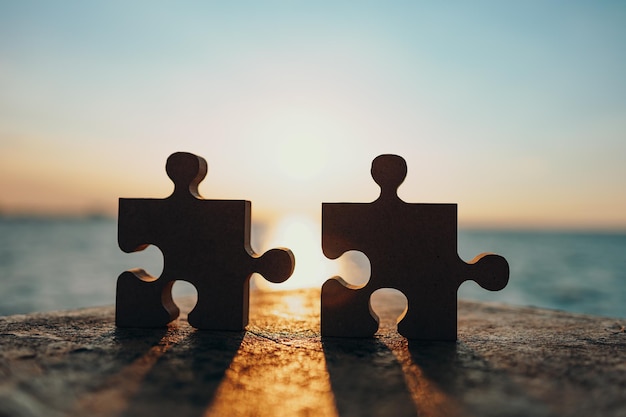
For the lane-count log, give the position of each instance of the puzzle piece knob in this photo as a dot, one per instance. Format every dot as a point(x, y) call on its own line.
point(186, 170)
point(490, 271)
point(276, 265)
point(389, 171)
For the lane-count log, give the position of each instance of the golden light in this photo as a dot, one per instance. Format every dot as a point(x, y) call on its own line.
point(301, 234)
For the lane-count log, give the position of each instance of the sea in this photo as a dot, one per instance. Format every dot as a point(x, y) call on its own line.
point(67, 263)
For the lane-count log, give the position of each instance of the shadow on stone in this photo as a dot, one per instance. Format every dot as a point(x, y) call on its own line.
point(471, 381)
point(184, 380)
point(366, 378)
point(134, 342)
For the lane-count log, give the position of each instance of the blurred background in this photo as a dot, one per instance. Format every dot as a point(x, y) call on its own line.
point(515, 111)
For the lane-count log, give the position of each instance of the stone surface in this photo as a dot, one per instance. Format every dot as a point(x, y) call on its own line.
point(508, 361)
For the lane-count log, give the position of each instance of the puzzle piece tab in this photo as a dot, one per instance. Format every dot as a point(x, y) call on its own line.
point(204, 242)
point(411, 248)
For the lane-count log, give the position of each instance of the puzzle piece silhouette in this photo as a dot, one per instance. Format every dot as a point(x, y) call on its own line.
point(204, 242)
point(412, 248)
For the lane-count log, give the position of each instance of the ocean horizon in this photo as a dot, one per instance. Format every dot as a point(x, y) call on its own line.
point(73, 262)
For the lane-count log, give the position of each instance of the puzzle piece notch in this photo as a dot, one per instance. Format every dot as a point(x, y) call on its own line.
point(411, 248)
point(203, 242)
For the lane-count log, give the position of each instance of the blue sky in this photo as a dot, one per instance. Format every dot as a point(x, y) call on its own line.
point(514, 110)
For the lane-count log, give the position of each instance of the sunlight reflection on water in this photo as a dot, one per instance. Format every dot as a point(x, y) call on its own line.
point(64, 264)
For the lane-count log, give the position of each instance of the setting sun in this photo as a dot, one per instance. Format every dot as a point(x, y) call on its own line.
point(175, 178)
point(302, 235)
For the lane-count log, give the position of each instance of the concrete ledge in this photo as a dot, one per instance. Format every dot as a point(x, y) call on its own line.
point(508, 361)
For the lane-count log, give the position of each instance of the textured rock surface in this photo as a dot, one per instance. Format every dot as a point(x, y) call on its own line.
point(508, 361)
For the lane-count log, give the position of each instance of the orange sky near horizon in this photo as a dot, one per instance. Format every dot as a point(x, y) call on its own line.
point(515, 112)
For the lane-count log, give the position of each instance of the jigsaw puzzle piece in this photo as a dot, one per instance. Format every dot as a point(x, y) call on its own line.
point(346, 310)
point(488, 270)
point(432, 305)
point(143, 300)
point(276, 265)
point(211, 311)
point(431, 314)
point(203, 242)
point(186, 171)
point(411, 248)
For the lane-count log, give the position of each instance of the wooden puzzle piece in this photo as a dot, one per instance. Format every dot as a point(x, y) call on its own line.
point(204, 242)
point(411, 248)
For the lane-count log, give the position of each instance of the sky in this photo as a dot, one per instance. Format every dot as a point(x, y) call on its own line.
point(516, 111)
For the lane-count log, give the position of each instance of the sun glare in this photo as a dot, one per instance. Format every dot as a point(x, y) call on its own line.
point(301, 234)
